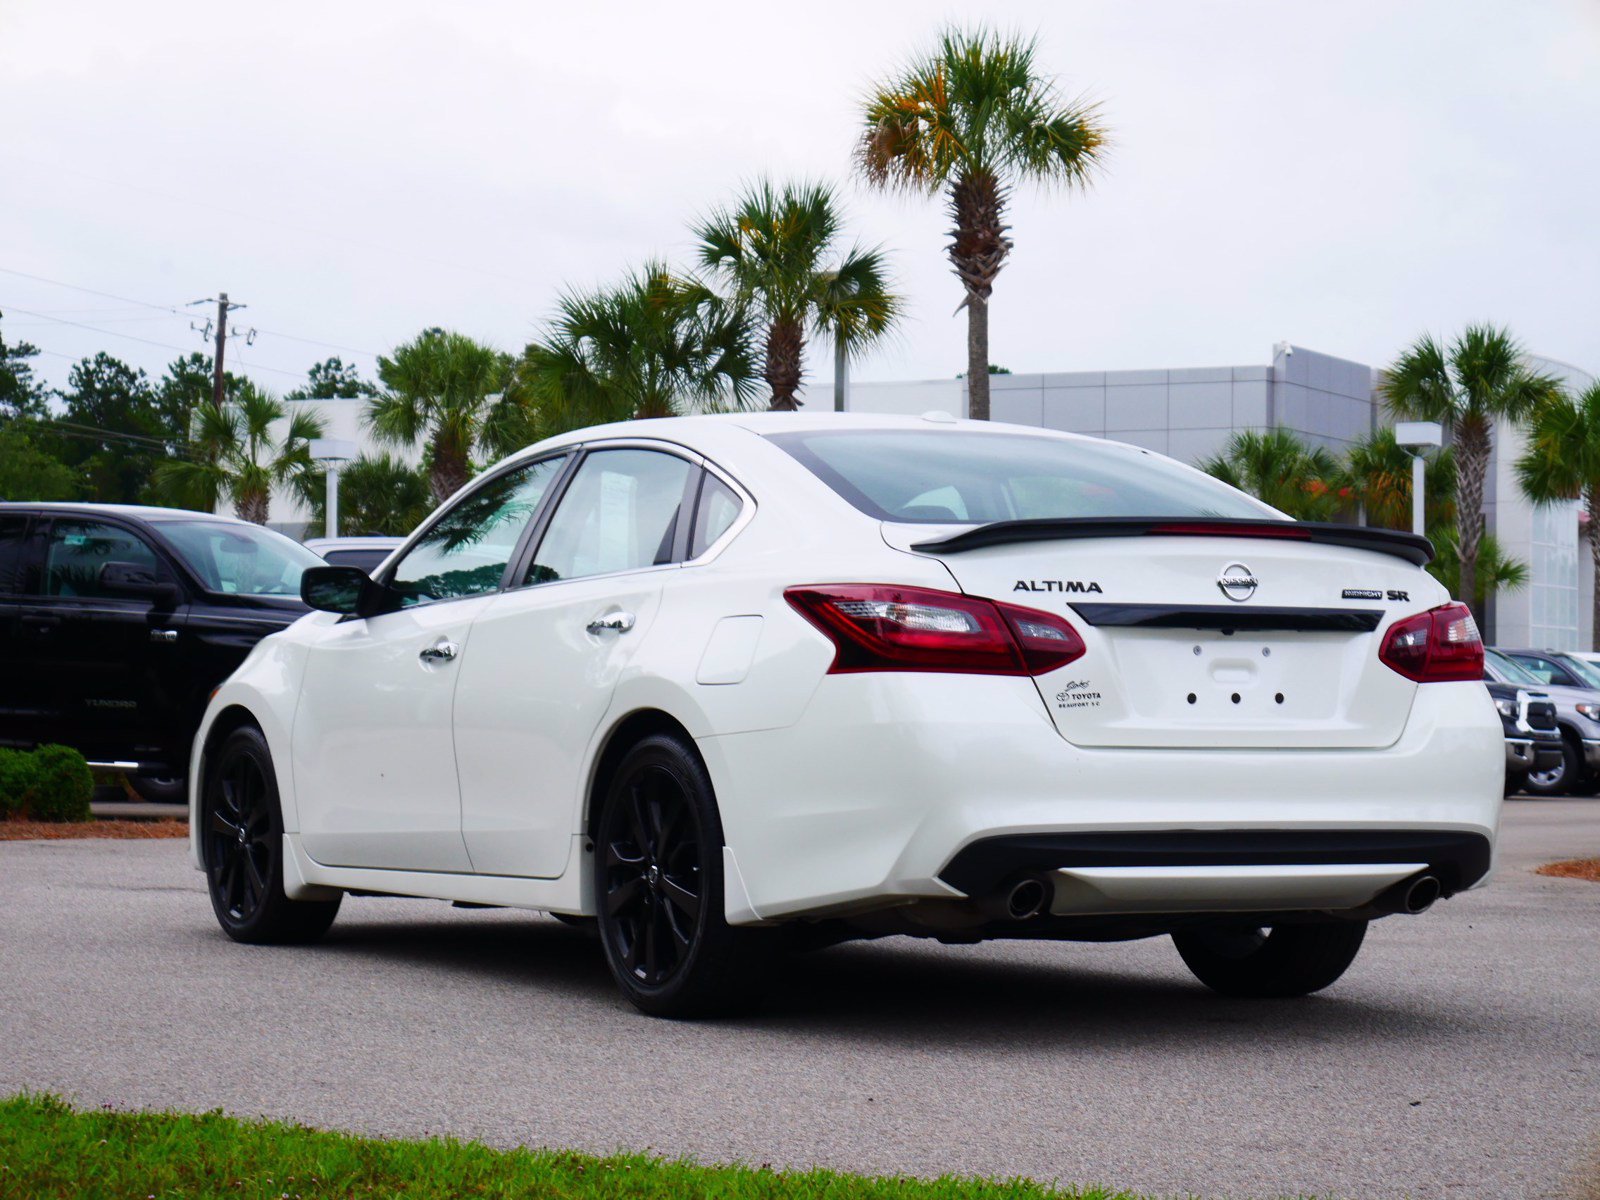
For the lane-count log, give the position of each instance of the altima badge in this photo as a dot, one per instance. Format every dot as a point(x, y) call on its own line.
point(1237, 582)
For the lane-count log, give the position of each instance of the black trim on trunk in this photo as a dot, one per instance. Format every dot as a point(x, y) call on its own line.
point(1408, 546)
point(1231, 617)
point(1459, 859)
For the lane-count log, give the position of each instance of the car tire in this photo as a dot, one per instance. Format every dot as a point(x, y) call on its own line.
point(241, 845)
point(1283, 961)
point(658, 890)
point(153, 789)
point(1562, 779)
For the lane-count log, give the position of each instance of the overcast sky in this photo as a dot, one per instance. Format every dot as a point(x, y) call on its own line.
point(1341, 175)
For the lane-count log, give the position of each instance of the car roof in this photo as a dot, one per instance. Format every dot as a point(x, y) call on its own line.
point(709, 432)
point(142, 512)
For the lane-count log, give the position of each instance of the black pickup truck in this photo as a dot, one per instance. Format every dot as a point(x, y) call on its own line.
point(1533, 739)
point(117, 622)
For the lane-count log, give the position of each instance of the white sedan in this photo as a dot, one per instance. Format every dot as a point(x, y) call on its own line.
point(730, 684)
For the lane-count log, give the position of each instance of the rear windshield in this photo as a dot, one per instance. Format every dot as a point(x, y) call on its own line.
point(934, 477)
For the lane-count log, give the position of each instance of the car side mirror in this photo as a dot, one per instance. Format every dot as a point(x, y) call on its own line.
point(348, 591)
point(133, 579)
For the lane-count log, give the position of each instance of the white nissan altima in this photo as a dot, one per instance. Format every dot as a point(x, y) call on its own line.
point(730, 684)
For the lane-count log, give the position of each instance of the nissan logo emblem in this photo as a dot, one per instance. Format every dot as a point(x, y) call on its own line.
point(1237, 582)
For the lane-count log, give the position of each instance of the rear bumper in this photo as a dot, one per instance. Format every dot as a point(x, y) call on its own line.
point(1459, 859)
point(874, 796)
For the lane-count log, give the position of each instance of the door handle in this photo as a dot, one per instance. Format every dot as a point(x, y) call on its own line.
point(439, 652)
point(616, 622)
point(163, 635)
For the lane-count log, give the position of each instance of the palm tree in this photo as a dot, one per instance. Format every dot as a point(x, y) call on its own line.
point(975, 118)
point(773, 249)
point(1562, 462)
point(1497, 570)
point(378, 495)
point(1378, 472)
point(653, 346)
point(1480, 378)
point(234, 453)
point(454, 395)
point(1279, 469)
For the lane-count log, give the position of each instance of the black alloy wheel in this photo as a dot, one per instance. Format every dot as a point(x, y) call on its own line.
point(241, 844)
point(239, 838)
point(658, 889)
point(1240, 959)
point(655, 881)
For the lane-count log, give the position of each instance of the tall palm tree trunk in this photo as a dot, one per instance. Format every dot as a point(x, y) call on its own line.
point(449, 471)
point(978, 249)
point(252, 506)
point(786, 342)
point(1472, 465)
point(1593, 533)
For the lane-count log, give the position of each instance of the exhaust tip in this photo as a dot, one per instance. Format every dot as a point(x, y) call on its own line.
point(1422, 893)
point(1027, 898)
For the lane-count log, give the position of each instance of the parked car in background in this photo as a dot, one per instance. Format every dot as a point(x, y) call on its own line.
point(1559, 667)
point(367, 553)
point(1578, 716)
point(1533, 738)
point(726, 682)
point(117, 623)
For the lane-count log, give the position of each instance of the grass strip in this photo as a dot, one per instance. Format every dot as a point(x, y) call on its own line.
point(48, 1150)
point(1577, 868)
point(34, 831)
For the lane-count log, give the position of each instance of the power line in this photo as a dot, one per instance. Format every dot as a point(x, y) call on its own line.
point(132, 338)
point(171, 310)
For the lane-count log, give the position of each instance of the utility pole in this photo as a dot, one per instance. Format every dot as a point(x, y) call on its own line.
point(219, 392)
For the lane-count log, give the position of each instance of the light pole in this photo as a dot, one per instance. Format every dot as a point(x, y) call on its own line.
point(1414, 435)
point(330, 452)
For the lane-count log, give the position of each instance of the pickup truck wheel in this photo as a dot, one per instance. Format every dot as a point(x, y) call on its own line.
point(241, 840)
point(156, 789)
point(1285, 960)
point(1561, 778)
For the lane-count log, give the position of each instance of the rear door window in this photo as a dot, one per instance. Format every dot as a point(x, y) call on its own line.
point(13, 535)
point(77, 551)
point(620, 513)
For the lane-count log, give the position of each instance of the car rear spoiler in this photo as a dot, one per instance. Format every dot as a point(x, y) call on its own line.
point(1411, 547)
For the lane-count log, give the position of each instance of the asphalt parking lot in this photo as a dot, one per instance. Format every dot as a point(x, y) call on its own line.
point(1458, 1058)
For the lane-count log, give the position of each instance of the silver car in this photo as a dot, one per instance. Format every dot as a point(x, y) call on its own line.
point(1577, 712)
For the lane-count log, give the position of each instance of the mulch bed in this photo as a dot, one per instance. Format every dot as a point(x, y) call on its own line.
point(28, 831)
point(1577, 868)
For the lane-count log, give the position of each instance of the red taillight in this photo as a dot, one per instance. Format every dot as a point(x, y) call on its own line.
point(1437, 646)
point(1263, 529)
point(879, 627)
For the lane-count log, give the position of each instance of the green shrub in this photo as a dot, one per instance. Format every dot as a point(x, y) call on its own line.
point(52, 783)
point(16, 780)
point(63, 786)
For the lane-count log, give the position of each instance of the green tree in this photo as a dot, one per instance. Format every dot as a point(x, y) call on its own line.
point(333, 379)
point(774, 251)
point(653, 346)
point(1497, 570)
point(111, 430)
point(975, 118)
point(1378, 471)
point(21, 394)
point(28, 472)
point(1562, 464)
point(379, 495)
point(1279, 469)
point(182, 390)
point(1480, 378)
point(240, 452)
point(451, 395)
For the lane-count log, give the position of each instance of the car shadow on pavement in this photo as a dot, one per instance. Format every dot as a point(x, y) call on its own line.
point(898, 990)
